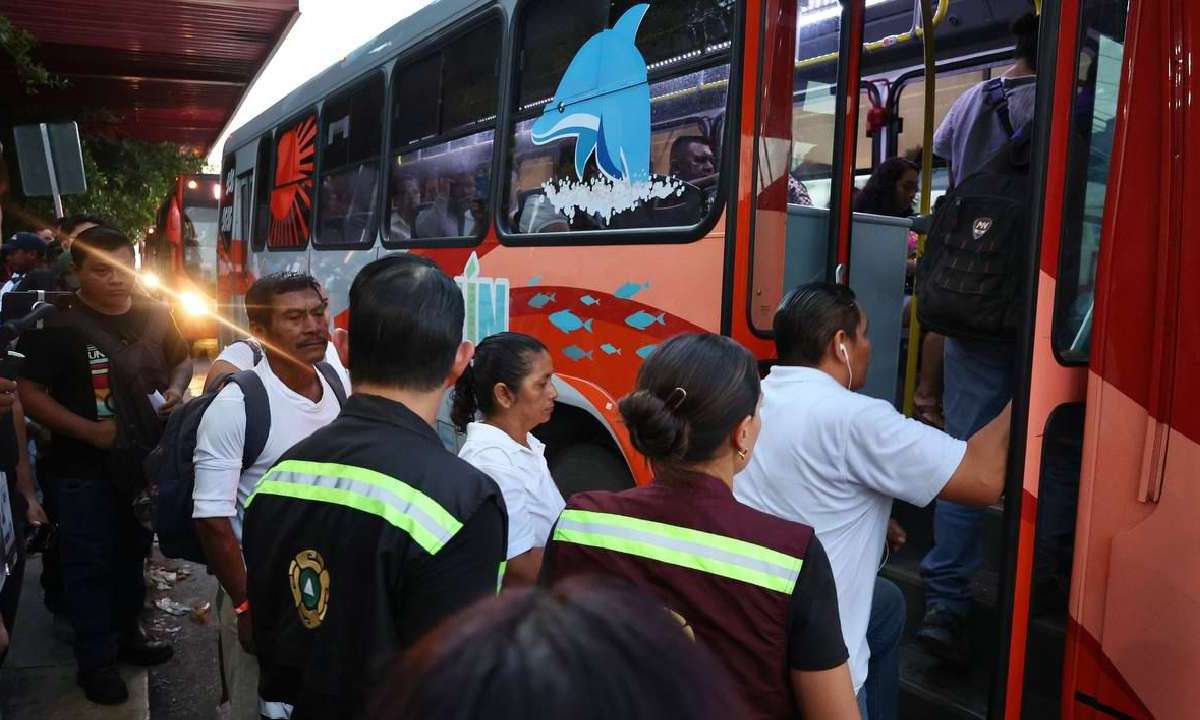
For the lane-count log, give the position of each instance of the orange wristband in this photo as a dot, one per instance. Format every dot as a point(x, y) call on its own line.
point(242, 608)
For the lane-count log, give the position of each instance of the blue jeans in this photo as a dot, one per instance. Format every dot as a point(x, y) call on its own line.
point(978, 384)
point(103, 547)
point(884, 628)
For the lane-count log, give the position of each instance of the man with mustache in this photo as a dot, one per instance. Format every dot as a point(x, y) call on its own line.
point(287, 312)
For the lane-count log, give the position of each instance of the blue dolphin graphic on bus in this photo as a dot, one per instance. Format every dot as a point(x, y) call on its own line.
point(603, 101)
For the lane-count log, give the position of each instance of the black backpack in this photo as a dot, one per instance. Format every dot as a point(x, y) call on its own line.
point(172, 470)
point(970, 279)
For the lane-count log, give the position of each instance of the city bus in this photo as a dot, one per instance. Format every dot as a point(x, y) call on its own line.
point(604, 175)
point(179, 259)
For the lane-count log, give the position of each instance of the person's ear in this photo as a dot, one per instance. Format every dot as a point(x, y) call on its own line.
point(743, 436)
point(840, 340)
point(504, 396)
point(341, 342)
point(462, 358)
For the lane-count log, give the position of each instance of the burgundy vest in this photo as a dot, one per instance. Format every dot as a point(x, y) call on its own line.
point(727, 569)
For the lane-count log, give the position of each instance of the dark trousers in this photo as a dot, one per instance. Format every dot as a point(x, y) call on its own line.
point(884, 629)
point(103, 548)
point(52, 578)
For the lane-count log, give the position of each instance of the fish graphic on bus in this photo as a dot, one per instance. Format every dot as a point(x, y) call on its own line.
point(589, 300)
point(603, 101)
point(610, 349)
point(569, 322)
point(645, 351)
point(576, 353)
point(541, 300)
point(641, 320)
point(629, 289)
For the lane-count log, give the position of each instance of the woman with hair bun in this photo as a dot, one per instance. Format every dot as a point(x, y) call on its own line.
point(756, 590)
point(505, 393)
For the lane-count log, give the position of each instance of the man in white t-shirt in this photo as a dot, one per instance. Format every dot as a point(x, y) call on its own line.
point(288, 312)
point(834, 459)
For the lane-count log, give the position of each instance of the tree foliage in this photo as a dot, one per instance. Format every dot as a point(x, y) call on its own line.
point(19, 44)
point(126, 182)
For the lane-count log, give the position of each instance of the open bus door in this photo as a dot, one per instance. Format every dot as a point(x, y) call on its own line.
point(801, 229)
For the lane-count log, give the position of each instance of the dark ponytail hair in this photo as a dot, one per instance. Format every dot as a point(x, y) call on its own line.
point(501, 358)
point(691, 393)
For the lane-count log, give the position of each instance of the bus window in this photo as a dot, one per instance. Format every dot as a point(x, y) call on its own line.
point(568, 171)
point(352, 122)
point(911, 109)
point(200, 231)
point(1097, 78)
point(443, 128)
point(291, 191)
point(262, 193)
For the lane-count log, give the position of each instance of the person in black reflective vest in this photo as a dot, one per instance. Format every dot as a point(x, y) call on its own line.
point(370, 532)
point(755, 589)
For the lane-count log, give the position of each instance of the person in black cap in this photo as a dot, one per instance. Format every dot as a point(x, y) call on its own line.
point(26, 251)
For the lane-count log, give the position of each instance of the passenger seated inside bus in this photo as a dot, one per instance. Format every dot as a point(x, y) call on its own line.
point(406, 197)
point(456, 207)
point(347, 205)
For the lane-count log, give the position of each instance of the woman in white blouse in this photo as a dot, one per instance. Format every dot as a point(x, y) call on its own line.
point(506, 392)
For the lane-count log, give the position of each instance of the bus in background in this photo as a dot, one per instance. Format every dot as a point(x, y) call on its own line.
point(604, 174)
point(179, 259)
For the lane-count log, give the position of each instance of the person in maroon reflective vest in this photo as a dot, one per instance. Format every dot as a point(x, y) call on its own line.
point(755, 589)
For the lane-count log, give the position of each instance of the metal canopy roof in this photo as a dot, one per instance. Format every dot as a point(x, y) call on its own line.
point(160, 70)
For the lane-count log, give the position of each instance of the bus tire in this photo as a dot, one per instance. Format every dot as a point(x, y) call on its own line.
point(589, 466)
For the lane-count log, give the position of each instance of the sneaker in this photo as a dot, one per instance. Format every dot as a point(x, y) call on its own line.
point(942, 635)
point(138, 648)
point(103, 685)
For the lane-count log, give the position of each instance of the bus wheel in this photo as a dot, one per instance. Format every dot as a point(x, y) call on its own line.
point(588, 466)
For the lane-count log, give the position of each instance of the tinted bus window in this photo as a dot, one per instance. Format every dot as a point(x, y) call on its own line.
point(444, 115)
point(199, 228)
point(262, 192)
point(353, 129)
point(1097, 80)
point(291, 193)
point(591, 74)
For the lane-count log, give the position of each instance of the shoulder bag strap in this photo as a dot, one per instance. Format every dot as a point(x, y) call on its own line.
point(335, 381)
point(258, 414)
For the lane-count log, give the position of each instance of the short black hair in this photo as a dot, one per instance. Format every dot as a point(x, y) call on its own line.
point(691, 393)
point(406, 323)
point(809, 317)
point(505, 357)
point(681, 142)
point(1025, 31)
point(262, 293)
point(65, 225)
point(586, 648)
point(101, 239)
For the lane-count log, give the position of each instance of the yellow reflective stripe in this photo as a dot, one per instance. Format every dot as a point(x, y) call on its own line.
point(334, 496)
point(771, 560)
point(675, 557)
point(389, 484)
point(500, 575)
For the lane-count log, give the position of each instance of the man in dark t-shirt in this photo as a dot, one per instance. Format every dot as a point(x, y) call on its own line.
point(67, 385)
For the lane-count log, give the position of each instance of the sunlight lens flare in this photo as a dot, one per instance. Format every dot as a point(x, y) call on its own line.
point(150, 281)
point(194, 303)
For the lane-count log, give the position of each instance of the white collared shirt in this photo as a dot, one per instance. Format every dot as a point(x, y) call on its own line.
point(530, 495)
point(835, 459)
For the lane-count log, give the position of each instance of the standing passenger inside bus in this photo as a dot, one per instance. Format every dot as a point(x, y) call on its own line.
point(405, 200)
point(835, 459)
point(978, 373)
point(510, 382)
point(756, 590)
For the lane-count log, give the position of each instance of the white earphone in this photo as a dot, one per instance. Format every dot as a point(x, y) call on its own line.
point(849, 368)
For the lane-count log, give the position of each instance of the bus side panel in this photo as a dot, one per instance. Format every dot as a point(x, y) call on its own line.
point(1135, 640)
point(601, 309)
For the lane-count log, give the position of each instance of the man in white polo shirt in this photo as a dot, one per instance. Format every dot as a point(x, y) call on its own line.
point(287, 311)
point(834, 459)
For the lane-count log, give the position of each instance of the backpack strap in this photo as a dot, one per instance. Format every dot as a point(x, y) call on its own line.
point(335, 381)
point(258, 414)
point(996, 96)
point(256, 352)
